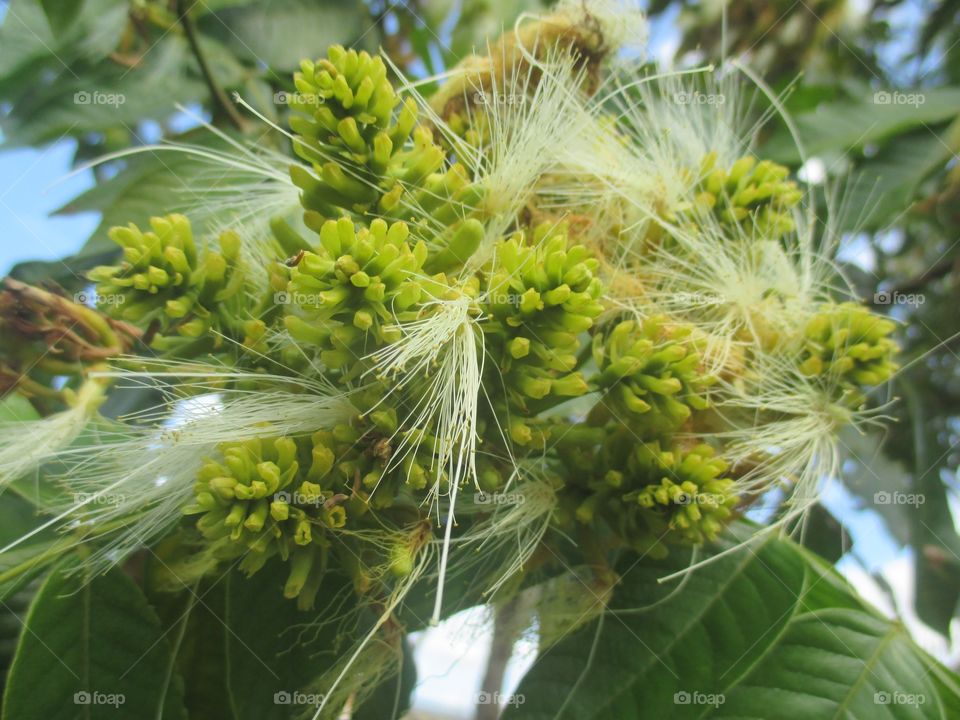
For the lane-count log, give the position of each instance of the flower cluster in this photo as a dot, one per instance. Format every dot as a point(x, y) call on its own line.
point(166, 283)
point(651, 494)
point(346, 298)
point(365, 157)
point(256, 496)
point(542, 294)
point(850, 346)
point(756, 195)
point(650, 372)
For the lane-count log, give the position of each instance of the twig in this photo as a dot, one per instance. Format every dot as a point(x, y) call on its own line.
point(934, 272)
point(221, 100)
point(506, 628)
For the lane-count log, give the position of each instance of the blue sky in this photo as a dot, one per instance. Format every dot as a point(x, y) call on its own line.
point(29, 192)
point(28, 196)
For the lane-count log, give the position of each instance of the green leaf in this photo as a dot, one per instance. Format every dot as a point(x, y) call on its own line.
point(61, 14)
point(885, 186)
point(845, 125)
point(19, 515)
point(933, 532)
point(15, 408)
point(106, 96)
point(767, 629)
point(194, 620)
point(914, 507)
point(248, 653)
point(152, 183)
point(13, 613)
point(872, 476)
point(25, 562)
point(93, 648)
point(30, 54)
point(18, 567)
point(824, 535)
point(838, 662)
point(269, 658)
point(24, 41)
point(68, 272)
point(482, 21)
point(281, 33)
point(277, 657)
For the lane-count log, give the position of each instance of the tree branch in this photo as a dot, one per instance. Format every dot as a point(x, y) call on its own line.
point(220, 98)
point(934, 272)
point(507, 624)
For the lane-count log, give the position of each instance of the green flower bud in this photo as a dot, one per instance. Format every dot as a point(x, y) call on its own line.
point(463, 242)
